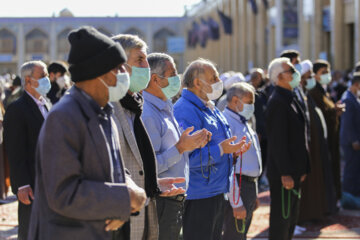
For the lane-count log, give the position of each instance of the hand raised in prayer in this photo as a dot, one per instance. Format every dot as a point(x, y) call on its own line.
point(189, 142)
point(229, 147)
point(168, 188)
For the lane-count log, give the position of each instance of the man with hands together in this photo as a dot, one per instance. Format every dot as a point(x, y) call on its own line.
point(209, 166)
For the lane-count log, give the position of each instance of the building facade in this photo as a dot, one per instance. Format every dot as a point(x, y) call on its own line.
point(24, 39)
point(261, 29)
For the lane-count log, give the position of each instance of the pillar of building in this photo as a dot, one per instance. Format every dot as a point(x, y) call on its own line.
point(261, 47)
point(316, 32)
point(357, 31)
point(149, 36)
point(271, 49)
point(251, 39)
point(53, 41)
point(235, 48)
point(337, 28)
point(20, 45)
point(242, 53)
point(279, 27)
point(304, 30)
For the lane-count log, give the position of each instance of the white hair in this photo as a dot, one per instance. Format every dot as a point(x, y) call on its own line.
point(129, 41)
point(276, 67)
point(27, 69)
point(239, 89)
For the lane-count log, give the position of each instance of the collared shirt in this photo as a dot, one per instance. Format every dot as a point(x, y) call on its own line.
point(164, 133)
point(251, 165)
point(40, 103)
point(110, 131)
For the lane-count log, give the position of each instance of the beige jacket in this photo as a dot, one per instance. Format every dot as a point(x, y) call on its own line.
point(133, 162)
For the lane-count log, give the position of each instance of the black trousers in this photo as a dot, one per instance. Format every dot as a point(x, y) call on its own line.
point(248, 197)
point(203, 218)
point(24, 213)
point(280, 228)
point(170, 217)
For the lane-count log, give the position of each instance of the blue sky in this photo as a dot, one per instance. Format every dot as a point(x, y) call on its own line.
point(97, 8)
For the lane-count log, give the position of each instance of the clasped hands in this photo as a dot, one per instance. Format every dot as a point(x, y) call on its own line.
point(288, 182)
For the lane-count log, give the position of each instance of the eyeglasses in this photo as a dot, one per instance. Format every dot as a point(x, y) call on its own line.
point(291, 70)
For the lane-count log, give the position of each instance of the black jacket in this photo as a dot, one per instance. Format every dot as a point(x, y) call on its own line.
point(22, 124)
point(287, 150)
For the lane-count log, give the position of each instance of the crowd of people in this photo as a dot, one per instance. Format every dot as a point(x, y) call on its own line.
point(115, 144)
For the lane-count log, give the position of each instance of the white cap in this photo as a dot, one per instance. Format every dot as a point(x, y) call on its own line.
point(306, 66)
point(237, 77)
point(224, 76)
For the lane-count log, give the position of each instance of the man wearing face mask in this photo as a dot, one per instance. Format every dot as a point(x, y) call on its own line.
point(82, 189)
point(288, 161)
point(140, 158)
point(350, 137)
point(332, 112)
point(294, 57)
point(318, 196)
point(57, 71)
point(22, 123)
point(170, 145)
point(209, 166)
point(247, 168)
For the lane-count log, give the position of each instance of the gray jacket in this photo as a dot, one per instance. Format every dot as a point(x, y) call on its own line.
point(74, 194)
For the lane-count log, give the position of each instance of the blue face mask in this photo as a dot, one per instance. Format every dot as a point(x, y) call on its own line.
point(173, 88)
point(139, 78)
point(295, 80)
point(325, 79)
point(310, 83)
point(298, 67)
point(248, 111)
point(44, 86)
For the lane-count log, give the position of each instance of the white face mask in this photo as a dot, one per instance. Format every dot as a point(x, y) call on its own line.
point(217, 90)
point(248, 111)
point(61, 82)
point(122, 86)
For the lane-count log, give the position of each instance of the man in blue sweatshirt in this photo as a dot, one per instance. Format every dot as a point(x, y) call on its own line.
point(210, 166)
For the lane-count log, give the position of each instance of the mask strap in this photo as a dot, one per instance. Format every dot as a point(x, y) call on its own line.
point(103, 83)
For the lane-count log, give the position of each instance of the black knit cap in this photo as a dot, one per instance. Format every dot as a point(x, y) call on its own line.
point(92, 54)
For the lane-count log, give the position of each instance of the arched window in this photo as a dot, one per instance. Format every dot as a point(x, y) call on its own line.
point(7, 42)
point(160, 39)
point(63, 42)
point(37, 41)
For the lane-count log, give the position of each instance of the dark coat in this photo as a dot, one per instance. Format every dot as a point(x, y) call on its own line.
point(74, 192)
point(327, 107)
point(350, 133)
point(285, 124)
point(22, 123)
point(313, 204)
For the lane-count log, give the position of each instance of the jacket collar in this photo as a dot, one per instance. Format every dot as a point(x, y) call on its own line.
point(157, 102)
point(33, 106)
point(235, 115)
point(191, 97)
point(285, 92)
